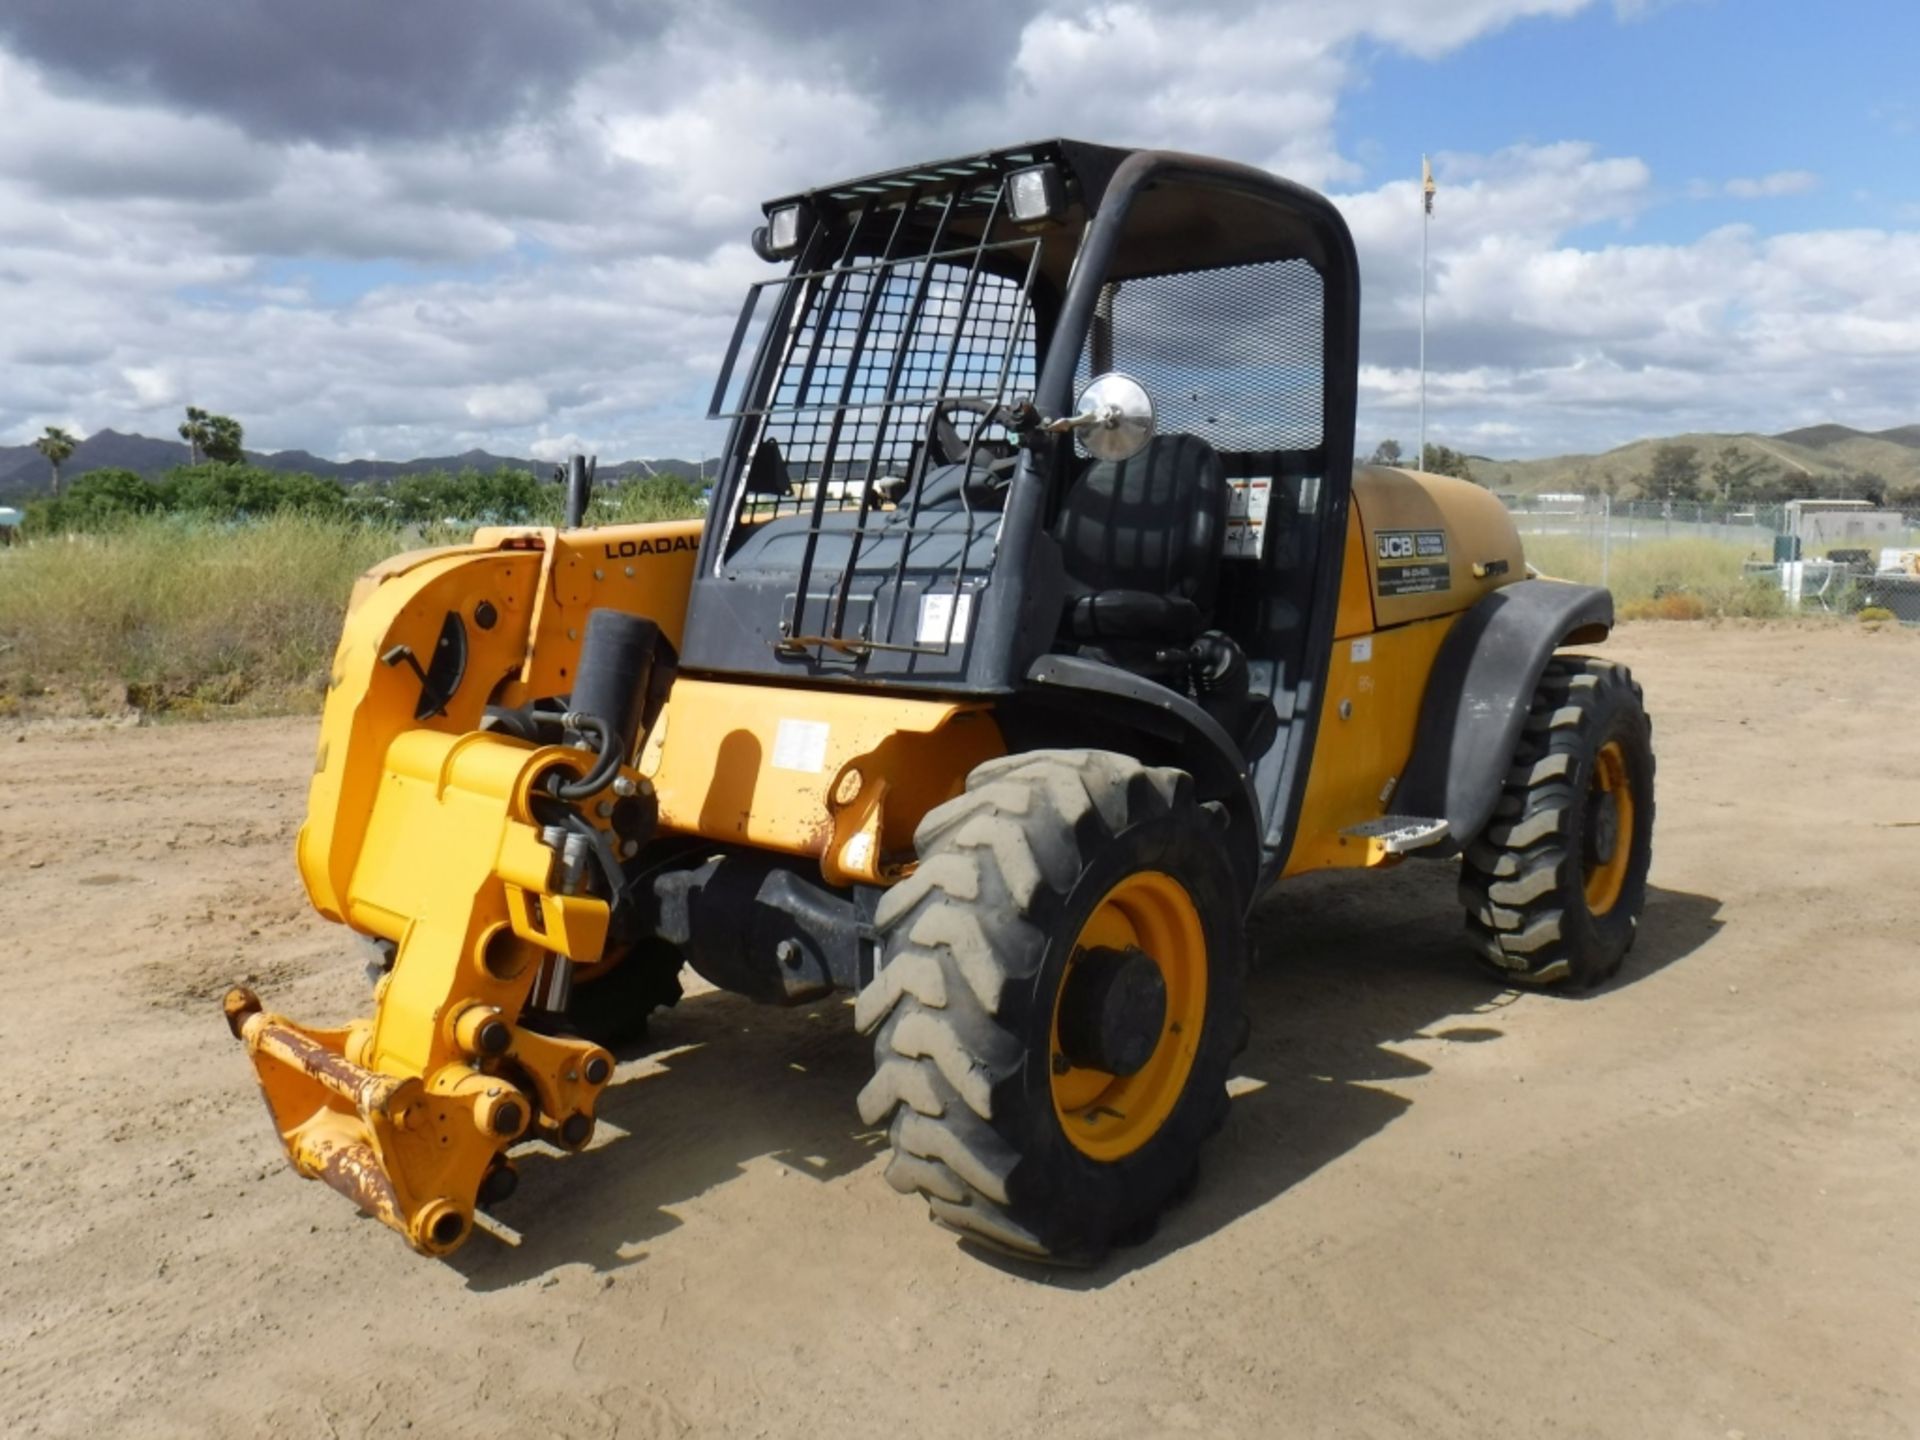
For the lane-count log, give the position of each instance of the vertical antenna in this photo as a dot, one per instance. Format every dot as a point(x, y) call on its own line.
point(1426, 218)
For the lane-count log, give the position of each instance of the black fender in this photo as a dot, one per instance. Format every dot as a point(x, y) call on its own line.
point(1478, 694)
point(1195, 741)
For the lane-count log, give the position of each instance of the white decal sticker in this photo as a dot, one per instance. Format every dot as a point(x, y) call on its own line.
point(941, 622)
point(1247, 503)
point(1362, 650)
point(801, 745)
point(1259, 493)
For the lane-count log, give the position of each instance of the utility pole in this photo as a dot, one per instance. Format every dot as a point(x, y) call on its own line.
point(1426, 220)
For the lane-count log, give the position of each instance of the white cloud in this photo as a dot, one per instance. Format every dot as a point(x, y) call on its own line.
point(507, 405)
point(1767, 187)
point(567, 277)
point(153, 386)
point(558, 448)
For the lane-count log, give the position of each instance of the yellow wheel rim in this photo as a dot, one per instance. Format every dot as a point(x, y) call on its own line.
point(1611, 787)
point(1108, 1117)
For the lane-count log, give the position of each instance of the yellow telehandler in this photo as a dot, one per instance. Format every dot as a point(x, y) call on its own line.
point(1038, 622)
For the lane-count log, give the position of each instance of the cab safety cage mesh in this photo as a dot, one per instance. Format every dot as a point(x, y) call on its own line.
point(836, 409)
point(1234, 354)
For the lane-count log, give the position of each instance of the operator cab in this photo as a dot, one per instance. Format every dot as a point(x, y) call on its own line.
point(1060, 415)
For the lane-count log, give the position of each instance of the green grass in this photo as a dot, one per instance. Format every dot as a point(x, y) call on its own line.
point(174, 615)
point(1664, 579)
point(170, 615)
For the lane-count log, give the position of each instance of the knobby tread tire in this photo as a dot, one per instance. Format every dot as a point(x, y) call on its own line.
point(1523, 879)
point(614, 1010)
point(973, 944)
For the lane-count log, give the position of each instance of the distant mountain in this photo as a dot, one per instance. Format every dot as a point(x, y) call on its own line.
point(1826, 437)
point(23, 470)
point(1820, 437)
point(1813, 451)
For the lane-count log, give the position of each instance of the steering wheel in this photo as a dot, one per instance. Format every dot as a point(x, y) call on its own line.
point(949, 447)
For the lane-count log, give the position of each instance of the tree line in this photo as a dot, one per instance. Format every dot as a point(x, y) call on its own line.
point(1439, 460)
point(219, 484)
point(1676, 471)
point(221, 491)
point(1735, 477)
point(219, 438)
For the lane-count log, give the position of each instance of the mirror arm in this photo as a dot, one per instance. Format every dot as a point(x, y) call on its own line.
point(1105, 418)
point(1116, 418)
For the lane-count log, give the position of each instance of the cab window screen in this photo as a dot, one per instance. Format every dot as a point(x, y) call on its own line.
point(1235, 355)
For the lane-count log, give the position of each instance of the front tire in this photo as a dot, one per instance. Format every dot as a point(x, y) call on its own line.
point(614, 1009)
point(1555, 886)
point(1058, 1004)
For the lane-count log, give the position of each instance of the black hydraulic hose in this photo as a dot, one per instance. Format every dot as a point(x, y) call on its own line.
point(596, 779)
point(603, 850)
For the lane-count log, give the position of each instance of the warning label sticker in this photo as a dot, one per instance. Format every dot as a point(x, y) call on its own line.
point(800, 745)
point(943, 618)
point(1411, 562)
point(1247, 517)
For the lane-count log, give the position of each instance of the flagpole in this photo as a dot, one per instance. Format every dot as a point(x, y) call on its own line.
point(1426, 219)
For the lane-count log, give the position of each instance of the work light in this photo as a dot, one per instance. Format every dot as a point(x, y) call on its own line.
point(1036, 195)
point(783, 232)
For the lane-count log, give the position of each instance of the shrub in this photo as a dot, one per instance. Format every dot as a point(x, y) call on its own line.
point(1674, 605)
point(236, 597)
point(648, 498)
point(167, 613)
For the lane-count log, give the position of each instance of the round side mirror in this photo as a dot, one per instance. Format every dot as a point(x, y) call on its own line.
point(1115, 417)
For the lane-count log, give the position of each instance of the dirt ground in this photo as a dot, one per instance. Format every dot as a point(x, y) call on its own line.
point(1686, 1205)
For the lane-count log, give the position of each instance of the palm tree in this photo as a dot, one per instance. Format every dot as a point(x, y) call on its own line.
point(195, 432)
point(223, 439)
point(56, 445)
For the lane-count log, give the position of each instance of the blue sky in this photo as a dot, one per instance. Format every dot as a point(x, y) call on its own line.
point(390, 233)
point(1703, 90)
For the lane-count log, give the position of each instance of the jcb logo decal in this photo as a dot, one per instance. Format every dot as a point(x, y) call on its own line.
point(1395, 547)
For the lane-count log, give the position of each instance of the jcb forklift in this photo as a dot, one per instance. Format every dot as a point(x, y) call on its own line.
point(1038, 622)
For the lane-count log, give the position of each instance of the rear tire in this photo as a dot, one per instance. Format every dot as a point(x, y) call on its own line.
point(1048, 860)
point(1555, 885)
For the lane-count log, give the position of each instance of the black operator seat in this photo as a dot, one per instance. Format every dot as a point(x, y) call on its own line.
point(1142, 539)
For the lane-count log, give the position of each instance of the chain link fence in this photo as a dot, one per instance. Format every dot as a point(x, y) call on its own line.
point(1684, 559)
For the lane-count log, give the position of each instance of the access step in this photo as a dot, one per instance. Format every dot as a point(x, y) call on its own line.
point(1400, 834)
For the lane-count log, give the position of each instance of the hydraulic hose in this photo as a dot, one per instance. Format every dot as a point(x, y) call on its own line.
point(608, 761)
point(603, 850)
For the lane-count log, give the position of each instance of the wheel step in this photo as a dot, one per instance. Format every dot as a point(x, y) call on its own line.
point(1400, 834)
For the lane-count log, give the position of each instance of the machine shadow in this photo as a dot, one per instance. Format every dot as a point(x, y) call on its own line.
point(1345, 967)
point(721, 1082)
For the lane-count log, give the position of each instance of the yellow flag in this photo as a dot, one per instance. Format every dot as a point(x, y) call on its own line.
point(1426, 182)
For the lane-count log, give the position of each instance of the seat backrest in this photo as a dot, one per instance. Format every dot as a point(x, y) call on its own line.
point(1156, 522)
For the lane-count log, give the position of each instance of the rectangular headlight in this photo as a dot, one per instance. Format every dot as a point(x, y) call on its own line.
point(785, 231)
point(1036, 195)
